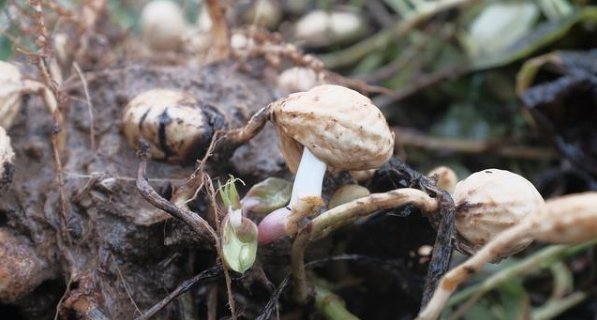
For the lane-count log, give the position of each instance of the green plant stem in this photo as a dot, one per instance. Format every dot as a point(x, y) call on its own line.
point(563, 281)
point(556, 307)
point(344, 214)
point(542, 259)
point(381, 39)
point(331, 306)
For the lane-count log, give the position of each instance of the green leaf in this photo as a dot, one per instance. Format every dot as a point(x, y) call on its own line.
point(268, 195)
point(480, 311)
point(515, 301)
point(498, 26)
point(543, 35)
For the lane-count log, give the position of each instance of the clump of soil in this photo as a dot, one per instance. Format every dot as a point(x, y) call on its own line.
point(111, 225)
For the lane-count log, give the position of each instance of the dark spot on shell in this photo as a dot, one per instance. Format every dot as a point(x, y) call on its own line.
point(143, 119)
point(164, 120)
point(488, 171)
point(213, 120)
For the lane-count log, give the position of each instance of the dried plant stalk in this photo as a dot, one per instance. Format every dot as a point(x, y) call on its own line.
point(193, 220)
point(220, 32)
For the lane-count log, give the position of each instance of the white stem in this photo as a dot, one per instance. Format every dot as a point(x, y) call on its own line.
point(236, 217)
point(309, 177)
point(307, 184)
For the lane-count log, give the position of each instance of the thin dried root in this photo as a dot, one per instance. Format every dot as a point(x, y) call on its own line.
point(193, 220)
point(55, 101)
point(51, 103)
point(185, 286)
point(344, 214)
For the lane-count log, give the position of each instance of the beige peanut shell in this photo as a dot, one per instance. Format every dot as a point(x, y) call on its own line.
point(297, 79)
point(10, 93)
point(446, 178)
point(163, 25)
point(172, 122)
point(340, 127)
point(490, 201)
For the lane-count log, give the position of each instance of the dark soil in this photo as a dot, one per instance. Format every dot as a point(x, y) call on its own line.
point(126, 255)
point(118, 254)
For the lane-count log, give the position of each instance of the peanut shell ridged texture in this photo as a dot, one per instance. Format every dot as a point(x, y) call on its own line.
point(340, 127)
point(173, 123)
point(490, 201)
point(569, 219)
point(10, 95)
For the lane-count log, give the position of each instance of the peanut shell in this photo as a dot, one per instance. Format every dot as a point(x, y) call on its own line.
point(163, 25)
point(490, 201)
point(10, 93)
point(172, 122)
point(340, 127)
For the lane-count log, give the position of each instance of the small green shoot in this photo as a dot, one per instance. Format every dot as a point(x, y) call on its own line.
point(239, 234)
point(229, 194)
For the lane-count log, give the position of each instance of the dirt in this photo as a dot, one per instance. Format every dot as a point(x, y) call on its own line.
point(126, 255)
point(119, 255)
